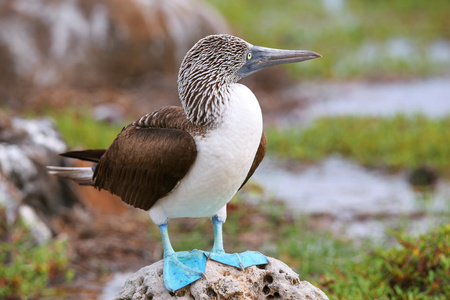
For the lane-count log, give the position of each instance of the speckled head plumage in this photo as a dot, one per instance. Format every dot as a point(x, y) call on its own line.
point(215, 63)
point(206, 73)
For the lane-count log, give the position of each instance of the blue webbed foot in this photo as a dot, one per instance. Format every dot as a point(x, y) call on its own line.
point(239, 260)
point(183, 268)
point(180, 268)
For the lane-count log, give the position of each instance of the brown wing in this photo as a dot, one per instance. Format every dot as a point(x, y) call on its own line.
point(144, 163)
point(260, 153)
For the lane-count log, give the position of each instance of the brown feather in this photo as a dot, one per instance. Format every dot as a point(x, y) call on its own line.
point(260, 153)
point(172, 117)
point(148, 158)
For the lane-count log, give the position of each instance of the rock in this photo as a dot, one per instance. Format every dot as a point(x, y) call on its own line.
point(45, 42)
point(423, 178)
point(26, 189)
point(273, 281)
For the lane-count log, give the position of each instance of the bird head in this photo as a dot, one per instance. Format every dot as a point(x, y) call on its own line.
point(217, 61)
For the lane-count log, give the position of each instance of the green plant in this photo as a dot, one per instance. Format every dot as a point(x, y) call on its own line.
point(79, 129)
point(418, 269)
point(397, 142)
point(27, 268)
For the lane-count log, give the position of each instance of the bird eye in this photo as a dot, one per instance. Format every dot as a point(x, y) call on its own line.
point(249, 55)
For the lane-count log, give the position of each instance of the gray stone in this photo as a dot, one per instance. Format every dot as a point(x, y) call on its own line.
point(101, 42)
point(27, 190)
point(273, 281)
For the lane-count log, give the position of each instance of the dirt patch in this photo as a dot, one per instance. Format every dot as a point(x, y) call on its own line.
point(106, 238)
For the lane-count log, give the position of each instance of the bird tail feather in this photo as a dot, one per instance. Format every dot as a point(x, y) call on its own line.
point(81, 175)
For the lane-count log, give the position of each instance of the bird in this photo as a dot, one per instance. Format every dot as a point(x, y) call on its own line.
point(190, 160)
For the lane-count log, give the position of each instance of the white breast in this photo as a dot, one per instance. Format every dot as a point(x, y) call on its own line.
point(224, 158)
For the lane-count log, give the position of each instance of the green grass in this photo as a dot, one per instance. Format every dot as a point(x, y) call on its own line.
point(398, 142)
point(354, 42)
point(79, 129)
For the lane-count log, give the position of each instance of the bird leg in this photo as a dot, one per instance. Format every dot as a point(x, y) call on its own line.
point(218, 239)
point(241, 260)
point(180, 268)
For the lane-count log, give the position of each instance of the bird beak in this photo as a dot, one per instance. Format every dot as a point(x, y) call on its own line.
point(259, 58)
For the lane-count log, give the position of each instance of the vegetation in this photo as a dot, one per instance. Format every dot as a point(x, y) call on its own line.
point(27, 268)
point(418, 269)
point(79, 129)
point(372, 39)
point(397, 142)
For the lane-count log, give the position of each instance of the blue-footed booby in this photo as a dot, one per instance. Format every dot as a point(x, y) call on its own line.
point(190, 161)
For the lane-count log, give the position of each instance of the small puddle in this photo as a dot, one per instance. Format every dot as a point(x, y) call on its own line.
point(357, 202)
point(430, 97)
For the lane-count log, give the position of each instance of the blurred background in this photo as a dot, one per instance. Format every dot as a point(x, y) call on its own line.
point(354, 193)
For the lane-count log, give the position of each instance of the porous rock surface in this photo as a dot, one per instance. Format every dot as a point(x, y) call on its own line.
point(273, 281)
